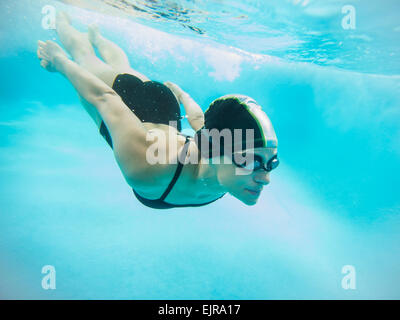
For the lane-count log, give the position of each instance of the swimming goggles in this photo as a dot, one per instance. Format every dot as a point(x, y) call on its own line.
point(257, 163)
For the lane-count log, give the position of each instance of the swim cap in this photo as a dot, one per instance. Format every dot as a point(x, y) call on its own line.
point(231, 112)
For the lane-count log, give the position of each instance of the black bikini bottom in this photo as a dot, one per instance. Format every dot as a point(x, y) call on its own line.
point(150, 101)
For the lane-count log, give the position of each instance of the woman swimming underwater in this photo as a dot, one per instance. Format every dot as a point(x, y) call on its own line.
point(130, 111)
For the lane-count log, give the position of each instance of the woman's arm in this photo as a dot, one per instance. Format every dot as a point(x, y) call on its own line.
point(193, 111)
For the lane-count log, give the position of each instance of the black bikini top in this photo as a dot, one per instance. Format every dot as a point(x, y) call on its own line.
point(160, 203)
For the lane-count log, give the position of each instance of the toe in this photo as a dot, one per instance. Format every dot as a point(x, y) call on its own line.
point(44, 64)
point(39, 53)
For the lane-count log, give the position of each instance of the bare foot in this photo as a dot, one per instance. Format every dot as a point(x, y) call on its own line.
point(48, 52)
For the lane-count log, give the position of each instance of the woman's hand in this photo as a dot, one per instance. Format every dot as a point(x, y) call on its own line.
point(176, 90)
point(194, 113)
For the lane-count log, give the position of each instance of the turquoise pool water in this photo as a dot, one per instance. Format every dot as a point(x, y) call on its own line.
point(333, 96)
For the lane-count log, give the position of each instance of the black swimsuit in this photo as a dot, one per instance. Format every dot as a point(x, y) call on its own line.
point(151, 101)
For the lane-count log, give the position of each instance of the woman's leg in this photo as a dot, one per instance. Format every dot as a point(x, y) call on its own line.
point(112, 54)
point(79, 47)
point(127, 131)
point(81, 50)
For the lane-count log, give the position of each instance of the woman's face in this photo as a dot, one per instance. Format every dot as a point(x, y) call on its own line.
point(243, 184)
